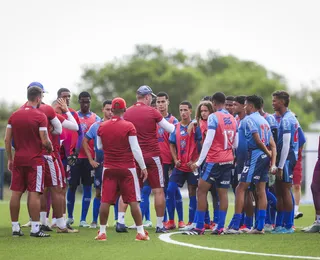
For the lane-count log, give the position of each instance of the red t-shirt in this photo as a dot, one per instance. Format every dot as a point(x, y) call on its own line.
point(26, 123)
point(145, 119)
point(114, 135)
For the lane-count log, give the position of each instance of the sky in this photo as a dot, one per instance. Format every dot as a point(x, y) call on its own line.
point(50, 41)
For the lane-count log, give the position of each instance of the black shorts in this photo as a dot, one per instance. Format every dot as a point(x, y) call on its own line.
point(81, 173)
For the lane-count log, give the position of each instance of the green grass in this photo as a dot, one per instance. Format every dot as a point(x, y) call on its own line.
point(123, 246)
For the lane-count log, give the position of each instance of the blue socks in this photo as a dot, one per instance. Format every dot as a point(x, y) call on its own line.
point(222, 219)
point(200, 218)
point(248, 221)
point(287, 219)
point(207, 217)
point(235, 223)
point(116, 209)
point(279, 219)
point(86, 198)
point(96, 207)
point(261, 219)
point(71, 197)
point(192, 207)
point(171, 191)
point(179, 205)
point(145, 202)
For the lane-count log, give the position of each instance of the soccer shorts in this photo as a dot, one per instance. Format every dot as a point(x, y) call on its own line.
point(297, 171)
point(181, 177)
point(53, 174)
point(81, 173)
point(155, 172)
point(256, 167)
point(166, 173)
point(30, 178)
point(98, 176)
point(218, 174)
point(122, 182)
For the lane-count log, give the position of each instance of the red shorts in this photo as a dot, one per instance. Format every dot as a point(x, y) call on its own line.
point(122, 182)
point(155, 172)
point(63, 173)
point(297, 171)
point(53, 174)
point(30, 178)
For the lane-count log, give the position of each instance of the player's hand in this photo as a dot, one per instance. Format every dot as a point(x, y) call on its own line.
point(72, 158)
point(63, 105)
point(144, 175)
point(279, 174)
point(10, 165)
point(190, 163)
point(269, 154)
point(94, 164)
point(50, 128)
point(273, 169)
point(194, 167)
point(177, 163)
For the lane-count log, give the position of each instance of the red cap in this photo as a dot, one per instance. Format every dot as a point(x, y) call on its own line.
point(118, 103)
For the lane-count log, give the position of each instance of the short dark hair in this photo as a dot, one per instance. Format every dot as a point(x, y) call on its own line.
point(33, 93)
point(163, 94)
point(230, 98)
point(206, 98)
point(84, 94)
point(255, 101)
point(219, 98)
point(284, 95)
point(107, 102)
point(62, 90)
point(185, 102)
point(153, 101)
point(240, 99)
point(262, 101)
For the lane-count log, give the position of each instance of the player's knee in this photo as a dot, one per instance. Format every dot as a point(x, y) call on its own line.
point(192, 190)
point(146, 190)
point(172, 187)
point(72, 188)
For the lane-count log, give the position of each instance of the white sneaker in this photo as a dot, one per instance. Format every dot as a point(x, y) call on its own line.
point(232, 231)
point(147, 223)
point(84, 224)
point(133, 226)
point(188, 227)
point(93, 225)
point(268, 227)
point(298, 215)
point(28, 224)
point(314, 228)
point(70, 221)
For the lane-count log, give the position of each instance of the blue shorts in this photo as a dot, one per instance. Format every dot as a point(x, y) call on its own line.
point(218, 174)
point(181, 177)
point(98, 176)
point(81, 171)
point(288, 171)
point(166, 170)
point(256, 167)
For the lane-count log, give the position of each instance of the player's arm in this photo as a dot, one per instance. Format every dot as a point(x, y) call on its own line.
point(274, 131)
point(273, 148)
point(79, 140)
point(260, 144)
point(236, 141)
point(206, 146)
point(85, 144)
point(173, 148)
point(99, 143)
point(43, 131)
point(166, 125)
point(8, 147)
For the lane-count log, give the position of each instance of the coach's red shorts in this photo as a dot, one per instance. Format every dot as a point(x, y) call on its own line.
point(63, 173)
point(30, 178)
point(53, 174)
point(155, 172)
point(297, 171)
point(122, 182)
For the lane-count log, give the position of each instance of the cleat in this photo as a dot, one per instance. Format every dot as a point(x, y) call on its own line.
point(145, 237)
point(84, 224)
point(121, 228)
point(67, 230)
point(17, 233)
point(132, 226)
point(244, 229)
point(231, 231)
point(54, 226)
point(170, 225)
point(212, 225)
point(305, 228)
point(147, 223)
point(288, 231)
point(278, 230)
point(207, 226)
point(93, 225)
point(45, 228)
point(194, 232)
point(298, 215)
point(218, 231)
point(161, 230)
point(188, 227)
point(181, 224)
point(268, 228)
point(28, 224)
point(70, 221)
point(101, 237)
point(256, 232)
point(314, 228)
point(40, 233)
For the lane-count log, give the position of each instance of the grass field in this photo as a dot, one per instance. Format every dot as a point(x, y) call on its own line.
point(123, 246)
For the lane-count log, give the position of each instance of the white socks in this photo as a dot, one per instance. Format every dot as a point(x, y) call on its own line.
point(43, 218)
point(15, 226)
point(35, 227)
point(296, 209)
point(140, 230)
point(61, 223)
point(102, 229)
point(160, 222)
point(121, 217)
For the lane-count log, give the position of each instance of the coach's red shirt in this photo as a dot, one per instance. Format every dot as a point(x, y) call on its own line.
point(114, 134)
point(145, 119)
point(25, 124)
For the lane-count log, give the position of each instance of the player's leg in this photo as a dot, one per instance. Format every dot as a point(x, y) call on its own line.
point(297, 178)
point(280, 207)
point(192, 190)
point(145, 202)
point(215, 202)
point(166, 168)
point(97, 198)
point(179, 208)
point(122, 208)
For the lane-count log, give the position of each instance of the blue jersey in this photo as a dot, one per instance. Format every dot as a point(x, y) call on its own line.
point(289, 124)
point(92, 134)
point(242, 149)
point(257, 124)
point(271, 120)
